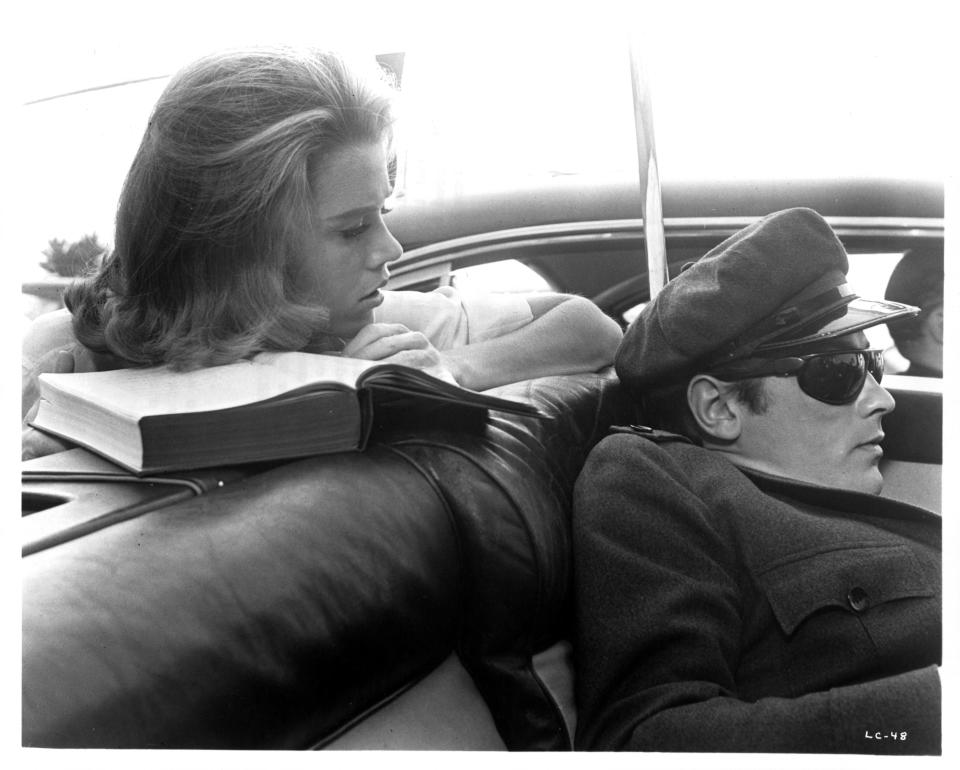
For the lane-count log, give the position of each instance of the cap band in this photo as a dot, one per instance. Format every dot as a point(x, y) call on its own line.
point(799, 311)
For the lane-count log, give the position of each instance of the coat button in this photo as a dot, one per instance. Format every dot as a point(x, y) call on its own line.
point(857, 599)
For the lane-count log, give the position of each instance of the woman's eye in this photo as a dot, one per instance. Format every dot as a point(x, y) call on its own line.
point(355, 232)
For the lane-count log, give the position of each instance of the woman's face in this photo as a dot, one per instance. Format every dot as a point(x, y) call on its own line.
point(347, 250)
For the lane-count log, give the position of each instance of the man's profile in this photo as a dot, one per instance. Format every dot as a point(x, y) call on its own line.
point(740, 585)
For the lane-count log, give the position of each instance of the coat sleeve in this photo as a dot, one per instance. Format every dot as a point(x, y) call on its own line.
point(659, 606)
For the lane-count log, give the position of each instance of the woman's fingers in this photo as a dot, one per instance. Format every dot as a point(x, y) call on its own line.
point(378, 341)
point(35, 443)
point(395, 343)
point(56, 361)
point(427, 360)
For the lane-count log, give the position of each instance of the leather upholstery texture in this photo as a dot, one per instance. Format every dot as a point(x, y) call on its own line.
point(257, 616)
point(510, 490)
point(287, 606)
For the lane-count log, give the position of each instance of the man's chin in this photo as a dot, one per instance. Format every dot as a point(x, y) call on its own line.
point(870, 483)
point(867, 481)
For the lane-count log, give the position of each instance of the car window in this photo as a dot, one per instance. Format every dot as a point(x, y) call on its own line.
point(630, 314)
point(868, 275)
point(506, 275)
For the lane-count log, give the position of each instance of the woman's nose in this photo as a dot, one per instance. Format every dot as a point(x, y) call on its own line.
point(386, 249)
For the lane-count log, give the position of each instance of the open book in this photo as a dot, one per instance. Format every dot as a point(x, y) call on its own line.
point(276, 405)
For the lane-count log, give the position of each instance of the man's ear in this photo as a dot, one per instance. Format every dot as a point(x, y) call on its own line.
point(934, 324)
point(715, 407)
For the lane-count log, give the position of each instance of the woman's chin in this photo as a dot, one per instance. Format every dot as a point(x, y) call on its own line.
point(348, 326)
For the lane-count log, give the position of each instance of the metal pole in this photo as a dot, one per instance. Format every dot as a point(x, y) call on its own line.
point(654, 238)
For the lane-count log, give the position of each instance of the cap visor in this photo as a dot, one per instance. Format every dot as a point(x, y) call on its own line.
point(860, 314)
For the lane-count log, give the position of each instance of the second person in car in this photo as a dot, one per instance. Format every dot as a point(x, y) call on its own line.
point(740, 584)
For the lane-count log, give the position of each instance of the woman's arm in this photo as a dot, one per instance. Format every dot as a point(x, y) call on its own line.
point(488, 341)
point(568, 334)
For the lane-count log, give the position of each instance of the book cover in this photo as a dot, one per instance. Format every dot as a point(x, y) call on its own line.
point(273, 406)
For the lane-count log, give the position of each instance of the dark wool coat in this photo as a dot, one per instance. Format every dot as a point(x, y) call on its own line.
point(721, 612)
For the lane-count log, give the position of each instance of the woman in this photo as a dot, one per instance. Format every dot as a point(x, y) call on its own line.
point(252, 219)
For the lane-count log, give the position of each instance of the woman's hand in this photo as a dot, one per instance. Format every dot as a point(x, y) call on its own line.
point(395, 343)
point(35, 443)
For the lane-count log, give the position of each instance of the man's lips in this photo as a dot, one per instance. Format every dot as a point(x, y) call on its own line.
point(872, 444)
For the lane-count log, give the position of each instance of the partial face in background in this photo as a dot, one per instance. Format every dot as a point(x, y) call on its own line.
point(933, 331)
point(802, 438)
point(347, 250)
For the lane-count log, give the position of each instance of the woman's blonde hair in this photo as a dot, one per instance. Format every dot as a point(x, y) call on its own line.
point(206, 247)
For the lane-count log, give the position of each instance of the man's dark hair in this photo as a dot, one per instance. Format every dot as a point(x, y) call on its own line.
point(916, 280)
point(667, 408)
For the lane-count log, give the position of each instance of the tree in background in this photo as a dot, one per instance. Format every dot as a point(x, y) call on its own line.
point(76, 259)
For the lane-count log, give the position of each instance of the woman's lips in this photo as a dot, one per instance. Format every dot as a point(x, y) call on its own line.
point(373, 299)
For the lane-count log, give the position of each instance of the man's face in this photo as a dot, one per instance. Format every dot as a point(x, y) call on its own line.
point(802, 438)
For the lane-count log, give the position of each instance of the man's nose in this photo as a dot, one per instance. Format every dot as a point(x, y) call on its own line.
point(876, 398)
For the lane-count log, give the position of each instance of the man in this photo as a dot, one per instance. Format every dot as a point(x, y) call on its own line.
point(739, 584)
point(918, 280)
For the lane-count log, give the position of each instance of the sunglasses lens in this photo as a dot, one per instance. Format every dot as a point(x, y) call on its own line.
point(837, 378)
point(874, 363)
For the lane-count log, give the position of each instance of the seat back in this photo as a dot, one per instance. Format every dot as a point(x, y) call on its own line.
point(295, 602)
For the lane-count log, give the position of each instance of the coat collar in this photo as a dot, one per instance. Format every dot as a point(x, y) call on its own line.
point(837, 499)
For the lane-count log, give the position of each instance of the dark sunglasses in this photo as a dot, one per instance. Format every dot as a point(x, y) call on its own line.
point(833, 377)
